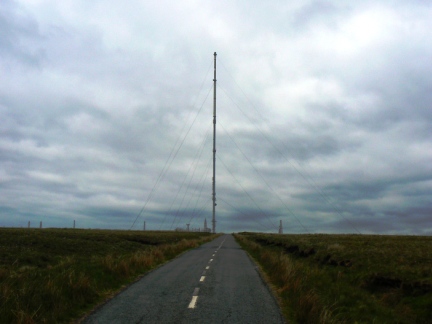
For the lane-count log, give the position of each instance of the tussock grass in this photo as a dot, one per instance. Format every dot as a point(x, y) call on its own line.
point(347, 278)
point(56, 275)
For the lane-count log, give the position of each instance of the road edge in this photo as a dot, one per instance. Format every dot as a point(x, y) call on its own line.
point(125, 287)
point(266, 281)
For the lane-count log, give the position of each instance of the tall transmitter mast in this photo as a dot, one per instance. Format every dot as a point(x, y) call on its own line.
point(214, 149)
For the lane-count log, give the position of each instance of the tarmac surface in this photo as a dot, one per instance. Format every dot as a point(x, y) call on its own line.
point(215, 283)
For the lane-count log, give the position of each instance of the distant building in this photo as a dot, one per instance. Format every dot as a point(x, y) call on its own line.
point(206, 229)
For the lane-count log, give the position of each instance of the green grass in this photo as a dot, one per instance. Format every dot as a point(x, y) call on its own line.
point(57, 275)
point(347, 278)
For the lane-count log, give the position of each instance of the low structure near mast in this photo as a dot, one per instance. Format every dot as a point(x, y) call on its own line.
point(206, 229)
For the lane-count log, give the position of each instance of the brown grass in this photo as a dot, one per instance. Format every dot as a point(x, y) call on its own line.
point(55, 276)
point(347, 278)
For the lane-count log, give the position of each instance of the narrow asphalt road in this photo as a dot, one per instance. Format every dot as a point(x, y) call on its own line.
point(215, 283)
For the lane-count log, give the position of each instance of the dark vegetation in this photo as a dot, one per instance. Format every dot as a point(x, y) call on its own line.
point(57, 275)
point(347, 278)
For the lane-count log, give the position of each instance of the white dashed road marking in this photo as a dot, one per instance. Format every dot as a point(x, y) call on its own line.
point(192, 304)
point(194, 300)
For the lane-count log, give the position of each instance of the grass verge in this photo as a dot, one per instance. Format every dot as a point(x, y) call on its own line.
point(347, 278)
point(57, 275)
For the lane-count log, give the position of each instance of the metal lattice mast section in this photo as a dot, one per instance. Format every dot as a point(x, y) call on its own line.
point(214, 149)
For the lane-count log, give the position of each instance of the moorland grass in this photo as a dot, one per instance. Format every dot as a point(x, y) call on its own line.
point(56, 275)
point(347, 278)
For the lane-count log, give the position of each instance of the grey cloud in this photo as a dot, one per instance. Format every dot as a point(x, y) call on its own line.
point(90, 113)
point(19, 37)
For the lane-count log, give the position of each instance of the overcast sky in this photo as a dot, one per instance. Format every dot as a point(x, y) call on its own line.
point(324, 115)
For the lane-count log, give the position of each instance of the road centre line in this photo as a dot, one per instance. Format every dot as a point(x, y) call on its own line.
point(221, 244)
point(193, 302)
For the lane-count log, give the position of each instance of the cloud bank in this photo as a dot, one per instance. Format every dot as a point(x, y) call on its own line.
point(324, 115)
